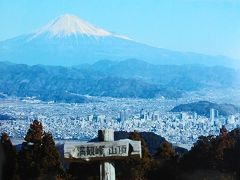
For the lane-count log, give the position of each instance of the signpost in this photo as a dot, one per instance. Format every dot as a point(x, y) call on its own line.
point(106, 151)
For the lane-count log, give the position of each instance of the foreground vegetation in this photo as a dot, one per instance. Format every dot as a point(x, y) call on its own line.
point(211, 157)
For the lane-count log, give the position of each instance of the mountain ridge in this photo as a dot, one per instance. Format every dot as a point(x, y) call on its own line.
point(203, 108)
point(71, 84)
point(75, 48)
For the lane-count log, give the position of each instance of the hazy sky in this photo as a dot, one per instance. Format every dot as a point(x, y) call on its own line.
point(207, 26)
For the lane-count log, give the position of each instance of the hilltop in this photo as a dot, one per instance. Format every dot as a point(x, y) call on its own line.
point(203, 108)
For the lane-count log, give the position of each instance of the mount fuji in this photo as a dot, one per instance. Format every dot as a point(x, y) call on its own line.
point(69, 41)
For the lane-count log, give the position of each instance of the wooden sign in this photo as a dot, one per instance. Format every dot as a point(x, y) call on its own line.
point(106, 151)
point(101, 150)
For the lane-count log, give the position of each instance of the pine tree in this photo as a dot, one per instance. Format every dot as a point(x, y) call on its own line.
point(136, 168)
point(35, 133)
point(50, 161)
point(199, 153)
point(10, 158)
point(221, 144)
point(232, 155)
point(38, 156)
point(165, 162)
point(165, 151)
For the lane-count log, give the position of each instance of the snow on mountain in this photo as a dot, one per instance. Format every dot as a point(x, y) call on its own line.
point(67, 25)
point(69, 41)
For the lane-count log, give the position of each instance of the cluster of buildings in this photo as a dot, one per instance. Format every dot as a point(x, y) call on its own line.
point(74, 121)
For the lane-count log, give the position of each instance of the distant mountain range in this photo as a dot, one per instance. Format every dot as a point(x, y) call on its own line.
point(86, 60)
point(128, 79)
point(203, 108)
point(68, 41)
point(179, 77)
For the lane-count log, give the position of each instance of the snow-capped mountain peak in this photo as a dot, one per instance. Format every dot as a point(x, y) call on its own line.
point(67, 25)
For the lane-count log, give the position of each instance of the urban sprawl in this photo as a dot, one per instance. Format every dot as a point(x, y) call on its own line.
point(82, 121)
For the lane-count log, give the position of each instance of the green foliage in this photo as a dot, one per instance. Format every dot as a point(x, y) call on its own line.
point(220, 153)
point(164, 163)
point(10, 158)
point(50, 161)
point(200, 153)
point(165, 151)
point(136, 168)
point(39, 156)
point(35, 133)
point(211, 157)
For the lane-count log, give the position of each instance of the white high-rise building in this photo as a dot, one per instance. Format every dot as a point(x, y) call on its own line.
point(217, 114)
point(195, 115)
point(212, 115)
point(123, 115)
point(101, 118)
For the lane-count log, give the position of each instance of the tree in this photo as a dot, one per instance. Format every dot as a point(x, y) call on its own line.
point(136, 168)
point(146, 158)
point(165, 162)
point(165, 151)
point(10, 158)
point(30, 153)
point(35, 133)
point(217, 155)
point(199, 153)
point(38, 156)
point(232, 155)
point(50, 161)
point(221, 144)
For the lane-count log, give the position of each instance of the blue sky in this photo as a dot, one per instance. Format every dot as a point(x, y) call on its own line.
point(205, 26)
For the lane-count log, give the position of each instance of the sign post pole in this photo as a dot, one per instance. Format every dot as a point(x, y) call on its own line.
point(107, 169)
point(105, 151)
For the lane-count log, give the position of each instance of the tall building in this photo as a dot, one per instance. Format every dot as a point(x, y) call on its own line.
point(142, 114)
point(101, 118)
point(123, 115)
point(212, 115)
point(150, 115)
point(217, 113)
point(155, 116)
point(195, 115)
point(90, 117)
point(145, 116)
